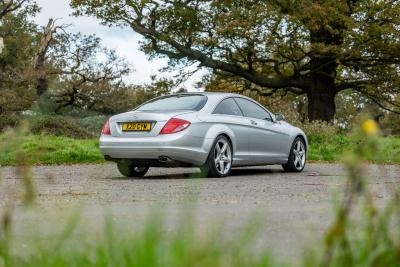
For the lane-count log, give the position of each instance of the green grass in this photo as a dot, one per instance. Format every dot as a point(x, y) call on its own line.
point(48, 149)
point(333, 147)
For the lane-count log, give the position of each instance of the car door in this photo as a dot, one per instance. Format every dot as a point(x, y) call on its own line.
point(268, 142)
point(229, 113)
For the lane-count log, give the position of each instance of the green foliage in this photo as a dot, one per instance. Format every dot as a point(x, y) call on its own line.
point(332, 147)
point(20, 37)
point(67, 126)
point(57, 125)
point(85, 74)
point(92, 124)
point(304, 47)
point(77, 70)
point(9, 121)
point(19, 34)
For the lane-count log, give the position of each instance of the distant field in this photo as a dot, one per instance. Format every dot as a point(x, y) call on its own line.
point(47, 149)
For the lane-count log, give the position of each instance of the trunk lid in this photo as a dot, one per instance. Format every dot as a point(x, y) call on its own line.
point(157, 119)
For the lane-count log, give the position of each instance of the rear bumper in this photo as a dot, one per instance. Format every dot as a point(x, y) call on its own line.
point(179, 147)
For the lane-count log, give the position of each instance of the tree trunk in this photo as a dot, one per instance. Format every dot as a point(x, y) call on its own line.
point(321, 105)
point(40, 58)
point(42, 79)
point(323, 70)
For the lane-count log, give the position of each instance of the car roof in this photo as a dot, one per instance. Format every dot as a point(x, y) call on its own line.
point(211, 94)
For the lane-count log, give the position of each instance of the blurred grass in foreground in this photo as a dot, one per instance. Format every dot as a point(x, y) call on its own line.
point(361, 234)
point(152, 246)
point(49, 149)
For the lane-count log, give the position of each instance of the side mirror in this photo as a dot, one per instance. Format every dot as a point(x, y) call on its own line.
point(279, 117)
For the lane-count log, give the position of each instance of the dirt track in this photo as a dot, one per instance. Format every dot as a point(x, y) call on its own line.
point(295, 208)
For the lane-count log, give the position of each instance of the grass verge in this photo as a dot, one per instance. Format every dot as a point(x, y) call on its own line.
point(48, 149)
point(332, 148)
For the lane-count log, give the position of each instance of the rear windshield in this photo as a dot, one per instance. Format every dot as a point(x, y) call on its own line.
point(175, 102)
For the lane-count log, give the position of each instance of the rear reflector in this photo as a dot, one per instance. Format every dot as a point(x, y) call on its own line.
point(106, 128)
point(174, 125)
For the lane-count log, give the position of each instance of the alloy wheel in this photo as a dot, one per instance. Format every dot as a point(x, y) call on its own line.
point(299, 153)
point(223, 156)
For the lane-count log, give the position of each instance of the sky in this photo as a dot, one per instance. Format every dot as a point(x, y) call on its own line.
point(124, 40)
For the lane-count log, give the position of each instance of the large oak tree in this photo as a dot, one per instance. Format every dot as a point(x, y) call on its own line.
point(312, 47)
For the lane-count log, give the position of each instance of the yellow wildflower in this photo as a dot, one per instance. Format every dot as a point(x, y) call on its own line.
point(370, 127)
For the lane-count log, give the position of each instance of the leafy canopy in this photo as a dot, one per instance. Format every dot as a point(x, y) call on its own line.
point(302, 46)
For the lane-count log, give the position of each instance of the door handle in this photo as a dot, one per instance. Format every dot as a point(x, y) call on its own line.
point(253, 122)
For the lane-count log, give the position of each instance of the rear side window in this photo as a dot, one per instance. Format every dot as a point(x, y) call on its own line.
point(252, 110)
point(175, 102)
point(228, 107)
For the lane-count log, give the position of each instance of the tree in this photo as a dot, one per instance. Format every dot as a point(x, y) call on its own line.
point(41, 56)
point(88, 71)
point(83, 71)
point(312, 47)
point(19, 35)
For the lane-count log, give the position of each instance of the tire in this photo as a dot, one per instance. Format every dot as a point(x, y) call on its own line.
point(297, 156)
point(129, 170)
point(219, 161)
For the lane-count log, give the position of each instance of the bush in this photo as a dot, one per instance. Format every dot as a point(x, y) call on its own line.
point(59, 126)
point(9, 121)
point(82, 127)
point(93, 124)
point(318, 127)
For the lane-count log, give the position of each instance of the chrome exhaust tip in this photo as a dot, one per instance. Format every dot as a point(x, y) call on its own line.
point(164, 159)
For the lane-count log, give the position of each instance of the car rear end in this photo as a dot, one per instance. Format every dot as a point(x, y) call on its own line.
point(162, 132)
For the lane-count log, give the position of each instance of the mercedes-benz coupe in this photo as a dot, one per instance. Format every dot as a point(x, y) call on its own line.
point(213, 131)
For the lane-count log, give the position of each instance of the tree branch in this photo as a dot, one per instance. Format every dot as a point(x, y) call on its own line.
point(359, 86)
point(10, 6)
point(277, 82)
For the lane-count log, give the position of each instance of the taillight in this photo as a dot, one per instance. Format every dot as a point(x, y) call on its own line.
point(106, 128)
point(174, 125)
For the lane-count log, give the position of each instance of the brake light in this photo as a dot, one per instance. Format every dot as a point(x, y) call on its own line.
point(174, 125)
point(106, 128)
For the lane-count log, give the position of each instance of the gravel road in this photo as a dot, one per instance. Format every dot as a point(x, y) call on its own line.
point(295, 208)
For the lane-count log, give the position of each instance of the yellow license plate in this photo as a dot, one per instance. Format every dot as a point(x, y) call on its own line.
point(136, 127)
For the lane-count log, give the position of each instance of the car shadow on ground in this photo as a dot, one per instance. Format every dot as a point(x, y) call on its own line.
point(198, 175)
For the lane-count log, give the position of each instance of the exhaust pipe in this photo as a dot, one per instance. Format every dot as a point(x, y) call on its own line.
point(164, 159)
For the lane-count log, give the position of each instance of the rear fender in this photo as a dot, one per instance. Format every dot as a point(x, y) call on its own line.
point(214, 131)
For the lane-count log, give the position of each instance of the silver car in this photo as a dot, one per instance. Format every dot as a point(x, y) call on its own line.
point(214, 131)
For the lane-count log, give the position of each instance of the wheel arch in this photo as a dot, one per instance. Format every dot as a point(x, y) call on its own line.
point(227, 137)
point(303, 137)
point(220, 130)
